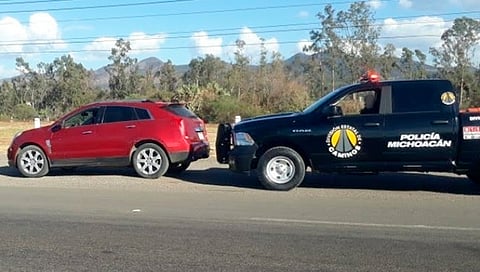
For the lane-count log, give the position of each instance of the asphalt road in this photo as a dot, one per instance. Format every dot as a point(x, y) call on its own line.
point(209, 219)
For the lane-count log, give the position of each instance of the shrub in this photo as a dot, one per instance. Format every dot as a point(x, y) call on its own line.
point(24, 112)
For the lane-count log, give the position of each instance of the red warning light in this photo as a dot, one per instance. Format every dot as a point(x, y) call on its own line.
point(370, 76)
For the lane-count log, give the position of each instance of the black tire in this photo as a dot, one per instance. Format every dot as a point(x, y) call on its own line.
point(281, 168)
point(177, 168)
point(32, 162)
point(474, 176)
point(150, 161)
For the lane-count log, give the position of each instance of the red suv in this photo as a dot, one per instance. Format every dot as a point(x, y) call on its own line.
point(153, 137)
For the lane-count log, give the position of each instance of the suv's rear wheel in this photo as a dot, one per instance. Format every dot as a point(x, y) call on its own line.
point(150, 161)
point(281, 168)
point(32, 162)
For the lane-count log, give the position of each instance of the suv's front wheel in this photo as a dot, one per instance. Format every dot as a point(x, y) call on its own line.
point(281, 168)
point(32, 162)
point(150, 161)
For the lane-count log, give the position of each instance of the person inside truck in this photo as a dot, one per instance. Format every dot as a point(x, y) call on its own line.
point(369, 104)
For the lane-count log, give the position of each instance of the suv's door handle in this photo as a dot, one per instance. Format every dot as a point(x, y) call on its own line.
point(440, 122)
point(86, 132)
point(371, 124)
point(131, 126)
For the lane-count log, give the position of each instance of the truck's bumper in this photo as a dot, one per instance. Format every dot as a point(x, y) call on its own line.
point(241, 157)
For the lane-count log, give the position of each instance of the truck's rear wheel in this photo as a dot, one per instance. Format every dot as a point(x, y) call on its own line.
point(281, 168)
point(474, 176)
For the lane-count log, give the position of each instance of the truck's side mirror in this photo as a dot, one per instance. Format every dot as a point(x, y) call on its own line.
point(333, 110)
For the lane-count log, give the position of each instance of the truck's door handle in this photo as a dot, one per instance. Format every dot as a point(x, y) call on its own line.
point(131, 126)
point(87, 132)
point(371, 124)
point(440, 122)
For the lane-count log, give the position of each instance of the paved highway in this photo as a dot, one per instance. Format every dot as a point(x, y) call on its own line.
point(209, 219)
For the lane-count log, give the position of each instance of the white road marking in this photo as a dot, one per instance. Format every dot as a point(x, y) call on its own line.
point(334, 223)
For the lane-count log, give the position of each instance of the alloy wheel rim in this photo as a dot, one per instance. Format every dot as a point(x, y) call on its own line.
point(149, 161)
point(32, 162)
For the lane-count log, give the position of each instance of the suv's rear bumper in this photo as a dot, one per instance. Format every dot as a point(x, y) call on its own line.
point(198, 150)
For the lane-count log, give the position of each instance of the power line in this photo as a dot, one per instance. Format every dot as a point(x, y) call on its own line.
point(181, 34)
point(223, 11)
point(196, 47)
point(4, 3)
point(172, 14)
point(97, 7)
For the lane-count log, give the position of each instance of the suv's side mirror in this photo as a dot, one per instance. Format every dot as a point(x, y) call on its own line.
point(333, 110)
point(56, 127)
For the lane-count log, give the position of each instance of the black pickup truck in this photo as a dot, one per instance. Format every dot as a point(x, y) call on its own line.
point(369, 127)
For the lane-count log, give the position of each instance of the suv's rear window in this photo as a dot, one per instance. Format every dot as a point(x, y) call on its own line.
point(180, 110)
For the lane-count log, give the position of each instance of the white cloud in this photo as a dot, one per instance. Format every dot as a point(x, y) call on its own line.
point(253, 45)
point(301, 45)
point(405, 3)
point(303, 14)
point(419, 33)
point(12, 35)
point(100, 48)
point(41, 33)
point(141, 42)
point(375, 4)
point(206, 45)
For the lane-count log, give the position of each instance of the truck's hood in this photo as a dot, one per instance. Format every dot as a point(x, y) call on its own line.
point(270, 116)
point(266, 120)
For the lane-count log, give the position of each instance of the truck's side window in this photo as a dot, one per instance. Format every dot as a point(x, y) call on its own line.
point(415, 97)
point(362, 102)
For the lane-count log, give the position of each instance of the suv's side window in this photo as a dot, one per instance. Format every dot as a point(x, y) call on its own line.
point(415, 97)
point(142, 114)
point(86, 117)
point(118, 114)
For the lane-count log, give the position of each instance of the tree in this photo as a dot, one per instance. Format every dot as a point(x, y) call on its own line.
point(388, 61)
point(239, 76)
point(123, 71)
point(421, 72)
point(407, 63)
point(454, 57)
point(72, 87)
point(6, 99)
point(350, 36)
point(168, 77)
point(206, 70)
point(325, 42)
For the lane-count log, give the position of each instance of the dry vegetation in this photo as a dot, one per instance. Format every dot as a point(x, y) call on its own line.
point(8, 130)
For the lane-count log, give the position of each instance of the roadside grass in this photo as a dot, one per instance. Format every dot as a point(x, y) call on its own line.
point(9, 129)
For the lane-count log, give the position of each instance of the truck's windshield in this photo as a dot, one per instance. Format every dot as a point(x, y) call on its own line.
point(324, 99)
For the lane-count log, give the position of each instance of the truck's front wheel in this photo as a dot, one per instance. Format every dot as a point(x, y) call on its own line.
point(281, 168)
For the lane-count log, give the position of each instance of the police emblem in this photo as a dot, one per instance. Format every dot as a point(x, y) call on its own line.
point(344, 141)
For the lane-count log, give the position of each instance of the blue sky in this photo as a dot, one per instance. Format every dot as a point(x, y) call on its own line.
point(179, 30)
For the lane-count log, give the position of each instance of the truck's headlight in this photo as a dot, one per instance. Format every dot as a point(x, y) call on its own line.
point(242, 138)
